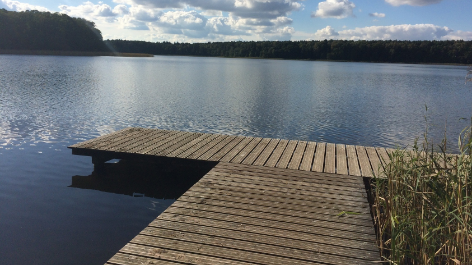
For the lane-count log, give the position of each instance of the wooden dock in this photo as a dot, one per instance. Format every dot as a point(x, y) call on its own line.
point(267, 201)
point(240, 214)
point(279, 153)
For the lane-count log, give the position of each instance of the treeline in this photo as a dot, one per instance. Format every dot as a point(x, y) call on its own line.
point(44, 31)
point(34, 30)
point(454, 52)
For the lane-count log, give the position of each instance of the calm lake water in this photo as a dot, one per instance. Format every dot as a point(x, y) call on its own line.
point(48, 103)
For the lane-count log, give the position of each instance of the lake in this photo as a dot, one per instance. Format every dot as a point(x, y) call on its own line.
point(53, 211)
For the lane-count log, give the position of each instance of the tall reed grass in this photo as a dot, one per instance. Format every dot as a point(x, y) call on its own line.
point(422, 205)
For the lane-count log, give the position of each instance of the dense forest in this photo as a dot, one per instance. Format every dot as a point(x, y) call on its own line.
point(459, 52)
point(44, 31)
point(34, 30)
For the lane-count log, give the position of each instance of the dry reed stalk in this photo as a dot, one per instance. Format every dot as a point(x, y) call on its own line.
point(422, 208)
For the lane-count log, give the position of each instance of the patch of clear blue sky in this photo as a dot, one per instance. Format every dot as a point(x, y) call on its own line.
point(455, 14)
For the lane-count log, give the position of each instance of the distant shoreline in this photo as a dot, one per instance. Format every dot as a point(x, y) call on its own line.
point(74, 53)
point(313, 60)
point(119, 54)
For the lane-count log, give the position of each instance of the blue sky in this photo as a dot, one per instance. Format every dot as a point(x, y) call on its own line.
point(228, 20)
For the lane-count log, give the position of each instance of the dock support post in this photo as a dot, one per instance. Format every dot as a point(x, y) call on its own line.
point(99, 163)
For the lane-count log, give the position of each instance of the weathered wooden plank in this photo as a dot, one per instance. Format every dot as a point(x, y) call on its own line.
point(274, 157)
point(261, 160)
point(310, 238)
point(208, 248)
point(320, 227)
point(171, 146)
point(329, 216)
point(260, 238)
point(308, 156)
point(212, 151)
point(252, 156)
point(288, 191)
point(384, 158)
point(200, 195)
point(149, 142)
point(330, 202)
point(90, 142)
point(181, 255)
point(111, 142)
point(352, 161)
point(364, 163)
point(158, 141)
point(240, 146)
point(208, 146)
point(290, 173)
point(374, 161)
point(130, 259)
point(330, 158)
point(168, 146)
point(318, 162)
point(126, 142)
point(268, 248)
point(341, 159)
point(225, 150)
point(287, 154)
point(140, 142)
point(269, 179)
point(189, 145)
point(263, 180)
point(197, 146)
point(297, 155)
point(246, 150)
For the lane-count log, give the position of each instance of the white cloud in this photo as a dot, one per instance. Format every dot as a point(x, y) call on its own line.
point(279, 34)
point(141, 13)
point(377, 14)
point(128, 22)
point(326, 33)
point(241, 8)
point(222, 20)
point(334, 9)
point(223, 26)
point(412, 2)
point(212, 13)
point(397, 32)
point(91, 11)
point(459, 35)
point(121, 10)
point(189, 20)
point(393, 32)
point(19, 6)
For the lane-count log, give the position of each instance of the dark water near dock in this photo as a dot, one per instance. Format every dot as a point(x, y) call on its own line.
point(48, 103)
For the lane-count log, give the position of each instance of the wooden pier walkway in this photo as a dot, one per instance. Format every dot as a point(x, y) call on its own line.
point(240, 214)
point(291, 154)
point(267, 201)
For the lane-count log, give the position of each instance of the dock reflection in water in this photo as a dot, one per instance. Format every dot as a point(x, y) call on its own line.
point(160, 178)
